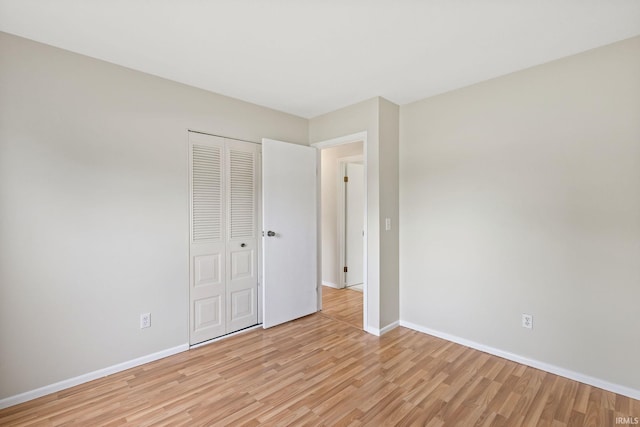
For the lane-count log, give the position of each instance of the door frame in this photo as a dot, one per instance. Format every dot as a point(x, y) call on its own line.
point(343, 140)
point(341, 208)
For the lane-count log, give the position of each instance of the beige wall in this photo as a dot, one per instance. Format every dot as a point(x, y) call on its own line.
point(522, 195)
point(330, 214)
point(378, 118)
point(93, 208)
point(389, 208)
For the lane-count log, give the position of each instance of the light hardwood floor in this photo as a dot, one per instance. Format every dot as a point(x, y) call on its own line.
point(322, 370)
point(343, 304)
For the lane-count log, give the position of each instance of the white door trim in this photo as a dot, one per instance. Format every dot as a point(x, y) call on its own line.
point(342, 140)
point(333, 142)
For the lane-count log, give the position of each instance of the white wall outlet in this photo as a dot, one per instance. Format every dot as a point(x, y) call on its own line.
point(145, 320)
point(387, 224)
point(527, 321)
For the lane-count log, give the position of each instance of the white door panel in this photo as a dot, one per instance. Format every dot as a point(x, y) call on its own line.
point(354, 224)
point(289, 182)
point(207, 248)
point(243, 307)
point(208, 316)
point(242, 232)
point(242, 263)
point(242, 288)
point(207, 293)
point(207, 269)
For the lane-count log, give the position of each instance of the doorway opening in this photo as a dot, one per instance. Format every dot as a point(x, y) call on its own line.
point(343, 216)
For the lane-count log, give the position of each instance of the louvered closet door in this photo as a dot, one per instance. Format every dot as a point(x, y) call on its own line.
point(208, 238)
point(224, 242)
point(242, 242)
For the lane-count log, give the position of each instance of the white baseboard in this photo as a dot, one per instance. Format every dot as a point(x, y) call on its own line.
point(389, 327)
point(329, 284)
point(572, 375)
point(61, 385)
point(379, 332)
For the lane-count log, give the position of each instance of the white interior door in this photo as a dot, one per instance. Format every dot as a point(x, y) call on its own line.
point(354, 224)
point(208, 235)
point(224, 208)
point(290, 250)
point(242, 240)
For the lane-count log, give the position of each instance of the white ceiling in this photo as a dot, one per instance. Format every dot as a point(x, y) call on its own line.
point(309, 57)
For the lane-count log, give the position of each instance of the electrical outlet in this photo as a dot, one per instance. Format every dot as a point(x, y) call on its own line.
point(145, 320)
point(527, 321)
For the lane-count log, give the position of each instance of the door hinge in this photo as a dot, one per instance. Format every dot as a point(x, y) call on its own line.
point(345, 269)
point(346, 179)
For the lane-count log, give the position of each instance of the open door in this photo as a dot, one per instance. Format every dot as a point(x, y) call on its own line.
point(290, 241)
point(354, 224)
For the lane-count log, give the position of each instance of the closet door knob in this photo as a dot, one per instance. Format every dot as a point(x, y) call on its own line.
point(271, 233)
point(242, 245)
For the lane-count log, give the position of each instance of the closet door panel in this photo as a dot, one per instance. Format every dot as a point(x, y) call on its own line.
point(207, 289)
point(242, 229)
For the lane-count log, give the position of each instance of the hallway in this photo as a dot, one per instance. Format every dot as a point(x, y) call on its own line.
point(344, 305)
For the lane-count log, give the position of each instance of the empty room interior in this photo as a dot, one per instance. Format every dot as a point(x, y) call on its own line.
point(320, 213)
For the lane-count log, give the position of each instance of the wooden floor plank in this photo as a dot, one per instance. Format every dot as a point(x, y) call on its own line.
point(343, 304)
point(324, 370)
